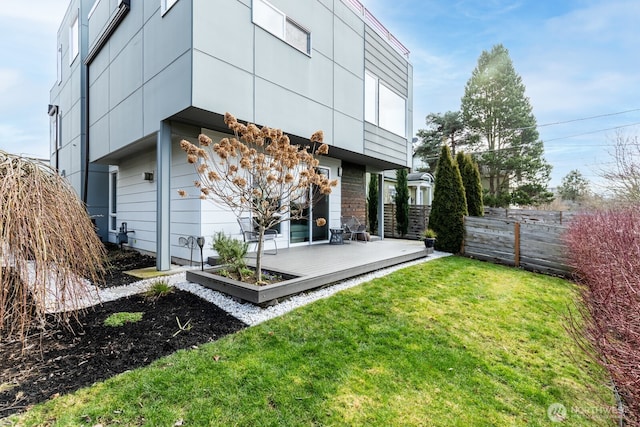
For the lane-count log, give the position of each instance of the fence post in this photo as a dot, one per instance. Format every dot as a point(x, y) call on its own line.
point(516, 243)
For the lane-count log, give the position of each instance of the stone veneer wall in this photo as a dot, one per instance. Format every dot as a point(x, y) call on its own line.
point(353, 187)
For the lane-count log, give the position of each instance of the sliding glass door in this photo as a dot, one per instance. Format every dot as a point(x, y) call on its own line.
point(306, 230)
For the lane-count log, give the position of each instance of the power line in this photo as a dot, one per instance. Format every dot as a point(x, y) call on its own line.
point(583, 118)
point(592, 132)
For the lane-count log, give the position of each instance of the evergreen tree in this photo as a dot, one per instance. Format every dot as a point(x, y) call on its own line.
point(574, 187)
point(402, 202)
point(449, 205)
point(500, 119)
point(472, 183)
point(372, 203)
point(441, 128)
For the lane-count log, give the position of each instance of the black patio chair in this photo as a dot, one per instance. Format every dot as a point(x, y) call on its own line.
point(354, 228)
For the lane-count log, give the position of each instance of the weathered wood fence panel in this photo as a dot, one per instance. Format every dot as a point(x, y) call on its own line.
point(532, 246)
point(418, 221)
point(490, 239)
point(530, 215)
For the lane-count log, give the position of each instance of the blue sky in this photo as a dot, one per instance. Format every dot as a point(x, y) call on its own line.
point(577, 58)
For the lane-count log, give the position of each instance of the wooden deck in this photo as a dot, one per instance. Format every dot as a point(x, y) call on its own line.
point(316, 266)
point(353, 257)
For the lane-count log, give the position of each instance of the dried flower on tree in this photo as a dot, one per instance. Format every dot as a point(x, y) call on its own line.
point(259, 171)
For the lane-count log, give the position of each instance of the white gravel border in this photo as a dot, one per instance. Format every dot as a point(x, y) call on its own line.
point(248, 313)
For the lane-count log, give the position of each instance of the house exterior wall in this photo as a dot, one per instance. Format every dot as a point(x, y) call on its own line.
point(187, 67)
point(354, 201)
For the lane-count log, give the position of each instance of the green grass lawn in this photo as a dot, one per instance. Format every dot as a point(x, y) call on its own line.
point(452, 342)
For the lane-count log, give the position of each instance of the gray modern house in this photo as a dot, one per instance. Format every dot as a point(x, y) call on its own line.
point(137, 76)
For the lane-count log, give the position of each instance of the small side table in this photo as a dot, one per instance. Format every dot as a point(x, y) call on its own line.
point(336, 236)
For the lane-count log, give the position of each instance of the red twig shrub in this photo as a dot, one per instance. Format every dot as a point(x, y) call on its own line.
point(604, 249)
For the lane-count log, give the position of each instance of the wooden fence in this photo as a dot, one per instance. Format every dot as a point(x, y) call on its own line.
point(418, 220)
point(530, 215)
point(532, 246)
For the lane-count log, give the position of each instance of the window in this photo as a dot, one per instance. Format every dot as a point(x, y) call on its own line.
point(165, 5)
point(59, 65)
point(383, 107)
point(113, 199)
point(74, 40)
point(391, 111)
point(54, 136)
point(370, 98)
point(277, 23)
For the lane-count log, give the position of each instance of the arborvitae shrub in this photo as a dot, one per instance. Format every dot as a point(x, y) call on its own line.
point(449, 205)
point(372, 203)
point(472, 183)
point(402, 202)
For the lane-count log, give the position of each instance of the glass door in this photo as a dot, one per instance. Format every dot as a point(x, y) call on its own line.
point(306, 230)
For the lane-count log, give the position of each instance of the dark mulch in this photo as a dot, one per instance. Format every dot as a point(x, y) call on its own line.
point(121, 260)
point(65, 361)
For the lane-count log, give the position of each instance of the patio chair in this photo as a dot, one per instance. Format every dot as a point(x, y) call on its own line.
point(248, 228)
point(354, 228)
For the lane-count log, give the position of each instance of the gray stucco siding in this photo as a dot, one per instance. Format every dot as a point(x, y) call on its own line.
point(167, 93)
point(347, 134)
point(348, 93)
point(166, 38)
point(224, 31)
point(295, 114)
point(283, 65)
point(125, 71)
point(220, 87)
point(125, 126)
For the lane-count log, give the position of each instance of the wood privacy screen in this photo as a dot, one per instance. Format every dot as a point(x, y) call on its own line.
point(532, 246)
point(418, 220)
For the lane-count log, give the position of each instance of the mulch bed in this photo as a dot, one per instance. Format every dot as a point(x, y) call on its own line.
point(64, 361)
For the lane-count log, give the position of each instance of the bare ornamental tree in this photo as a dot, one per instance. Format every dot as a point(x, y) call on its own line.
point(259, 171)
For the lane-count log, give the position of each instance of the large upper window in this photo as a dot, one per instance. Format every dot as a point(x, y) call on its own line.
point(280, 25)
point(74, 40)
point(383, 107)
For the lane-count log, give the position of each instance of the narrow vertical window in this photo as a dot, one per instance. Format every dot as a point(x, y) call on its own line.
point(165, 5)
point(53, 129)
point(370, 98)
point(113, 199)
point(59, 65)
point(74, 40)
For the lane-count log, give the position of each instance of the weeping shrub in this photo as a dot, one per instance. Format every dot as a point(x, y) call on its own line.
point(50, 254)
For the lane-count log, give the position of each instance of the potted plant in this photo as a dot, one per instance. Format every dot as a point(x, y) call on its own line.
point(429, 236)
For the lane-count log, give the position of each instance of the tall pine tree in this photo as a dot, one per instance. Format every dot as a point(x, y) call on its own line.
point(500, 119)
point(472, 184)
point(449, 205)
point(402, 202)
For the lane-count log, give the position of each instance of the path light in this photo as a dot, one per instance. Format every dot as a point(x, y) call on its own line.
point(200, 242)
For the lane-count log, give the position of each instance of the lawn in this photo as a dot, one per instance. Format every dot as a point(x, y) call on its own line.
point(452, 342)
